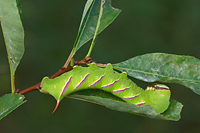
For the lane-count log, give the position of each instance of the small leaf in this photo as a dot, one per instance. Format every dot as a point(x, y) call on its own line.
point(112, 102)
point(13, 31)
point(166, 68)
point(9, 102)
point(13, 34)
point(90, 19)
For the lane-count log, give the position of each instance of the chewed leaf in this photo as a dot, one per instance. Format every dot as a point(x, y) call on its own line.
point(112, 102)
point(166, 68)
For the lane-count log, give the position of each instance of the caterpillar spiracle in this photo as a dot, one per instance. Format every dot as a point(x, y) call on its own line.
point(106, 79)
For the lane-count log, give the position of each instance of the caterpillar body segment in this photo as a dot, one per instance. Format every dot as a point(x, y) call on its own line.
point(106, 79)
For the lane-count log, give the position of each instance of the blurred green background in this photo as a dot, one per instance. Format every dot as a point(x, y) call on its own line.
point(143, 26)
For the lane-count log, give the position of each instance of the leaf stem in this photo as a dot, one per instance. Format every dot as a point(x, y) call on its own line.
point(91, 46)
point(12, 80)
point(72, 62)
point(96, 31)
point(69, 58)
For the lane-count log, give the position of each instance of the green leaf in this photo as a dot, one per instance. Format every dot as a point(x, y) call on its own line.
point(9, 102)
point(90, 19)
point(166, 68)
point(13, 34)
point(112, 102)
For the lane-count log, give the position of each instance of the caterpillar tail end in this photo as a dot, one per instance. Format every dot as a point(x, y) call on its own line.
point(57, 104)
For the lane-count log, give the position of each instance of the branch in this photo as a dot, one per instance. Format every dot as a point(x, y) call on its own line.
point(84, 61)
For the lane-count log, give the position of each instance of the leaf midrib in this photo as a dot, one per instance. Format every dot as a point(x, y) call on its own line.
point(156, 74)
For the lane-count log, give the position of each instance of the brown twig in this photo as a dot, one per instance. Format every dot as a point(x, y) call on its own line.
point(84, 61)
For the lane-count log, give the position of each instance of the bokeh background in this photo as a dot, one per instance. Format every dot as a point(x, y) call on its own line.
point(143, 26)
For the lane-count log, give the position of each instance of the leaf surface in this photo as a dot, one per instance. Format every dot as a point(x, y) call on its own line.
point(90, 19)
point(9, 102)
point(13, 31)
point(13, 34)
point(165, 68)
point(112, 102)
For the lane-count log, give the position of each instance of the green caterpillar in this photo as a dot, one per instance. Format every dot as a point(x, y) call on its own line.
point(106, 79)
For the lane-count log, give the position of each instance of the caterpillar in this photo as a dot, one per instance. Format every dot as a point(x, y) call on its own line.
point(106, 79)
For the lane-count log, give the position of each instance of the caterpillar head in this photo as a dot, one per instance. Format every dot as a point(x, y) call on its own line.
point(158, 96)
